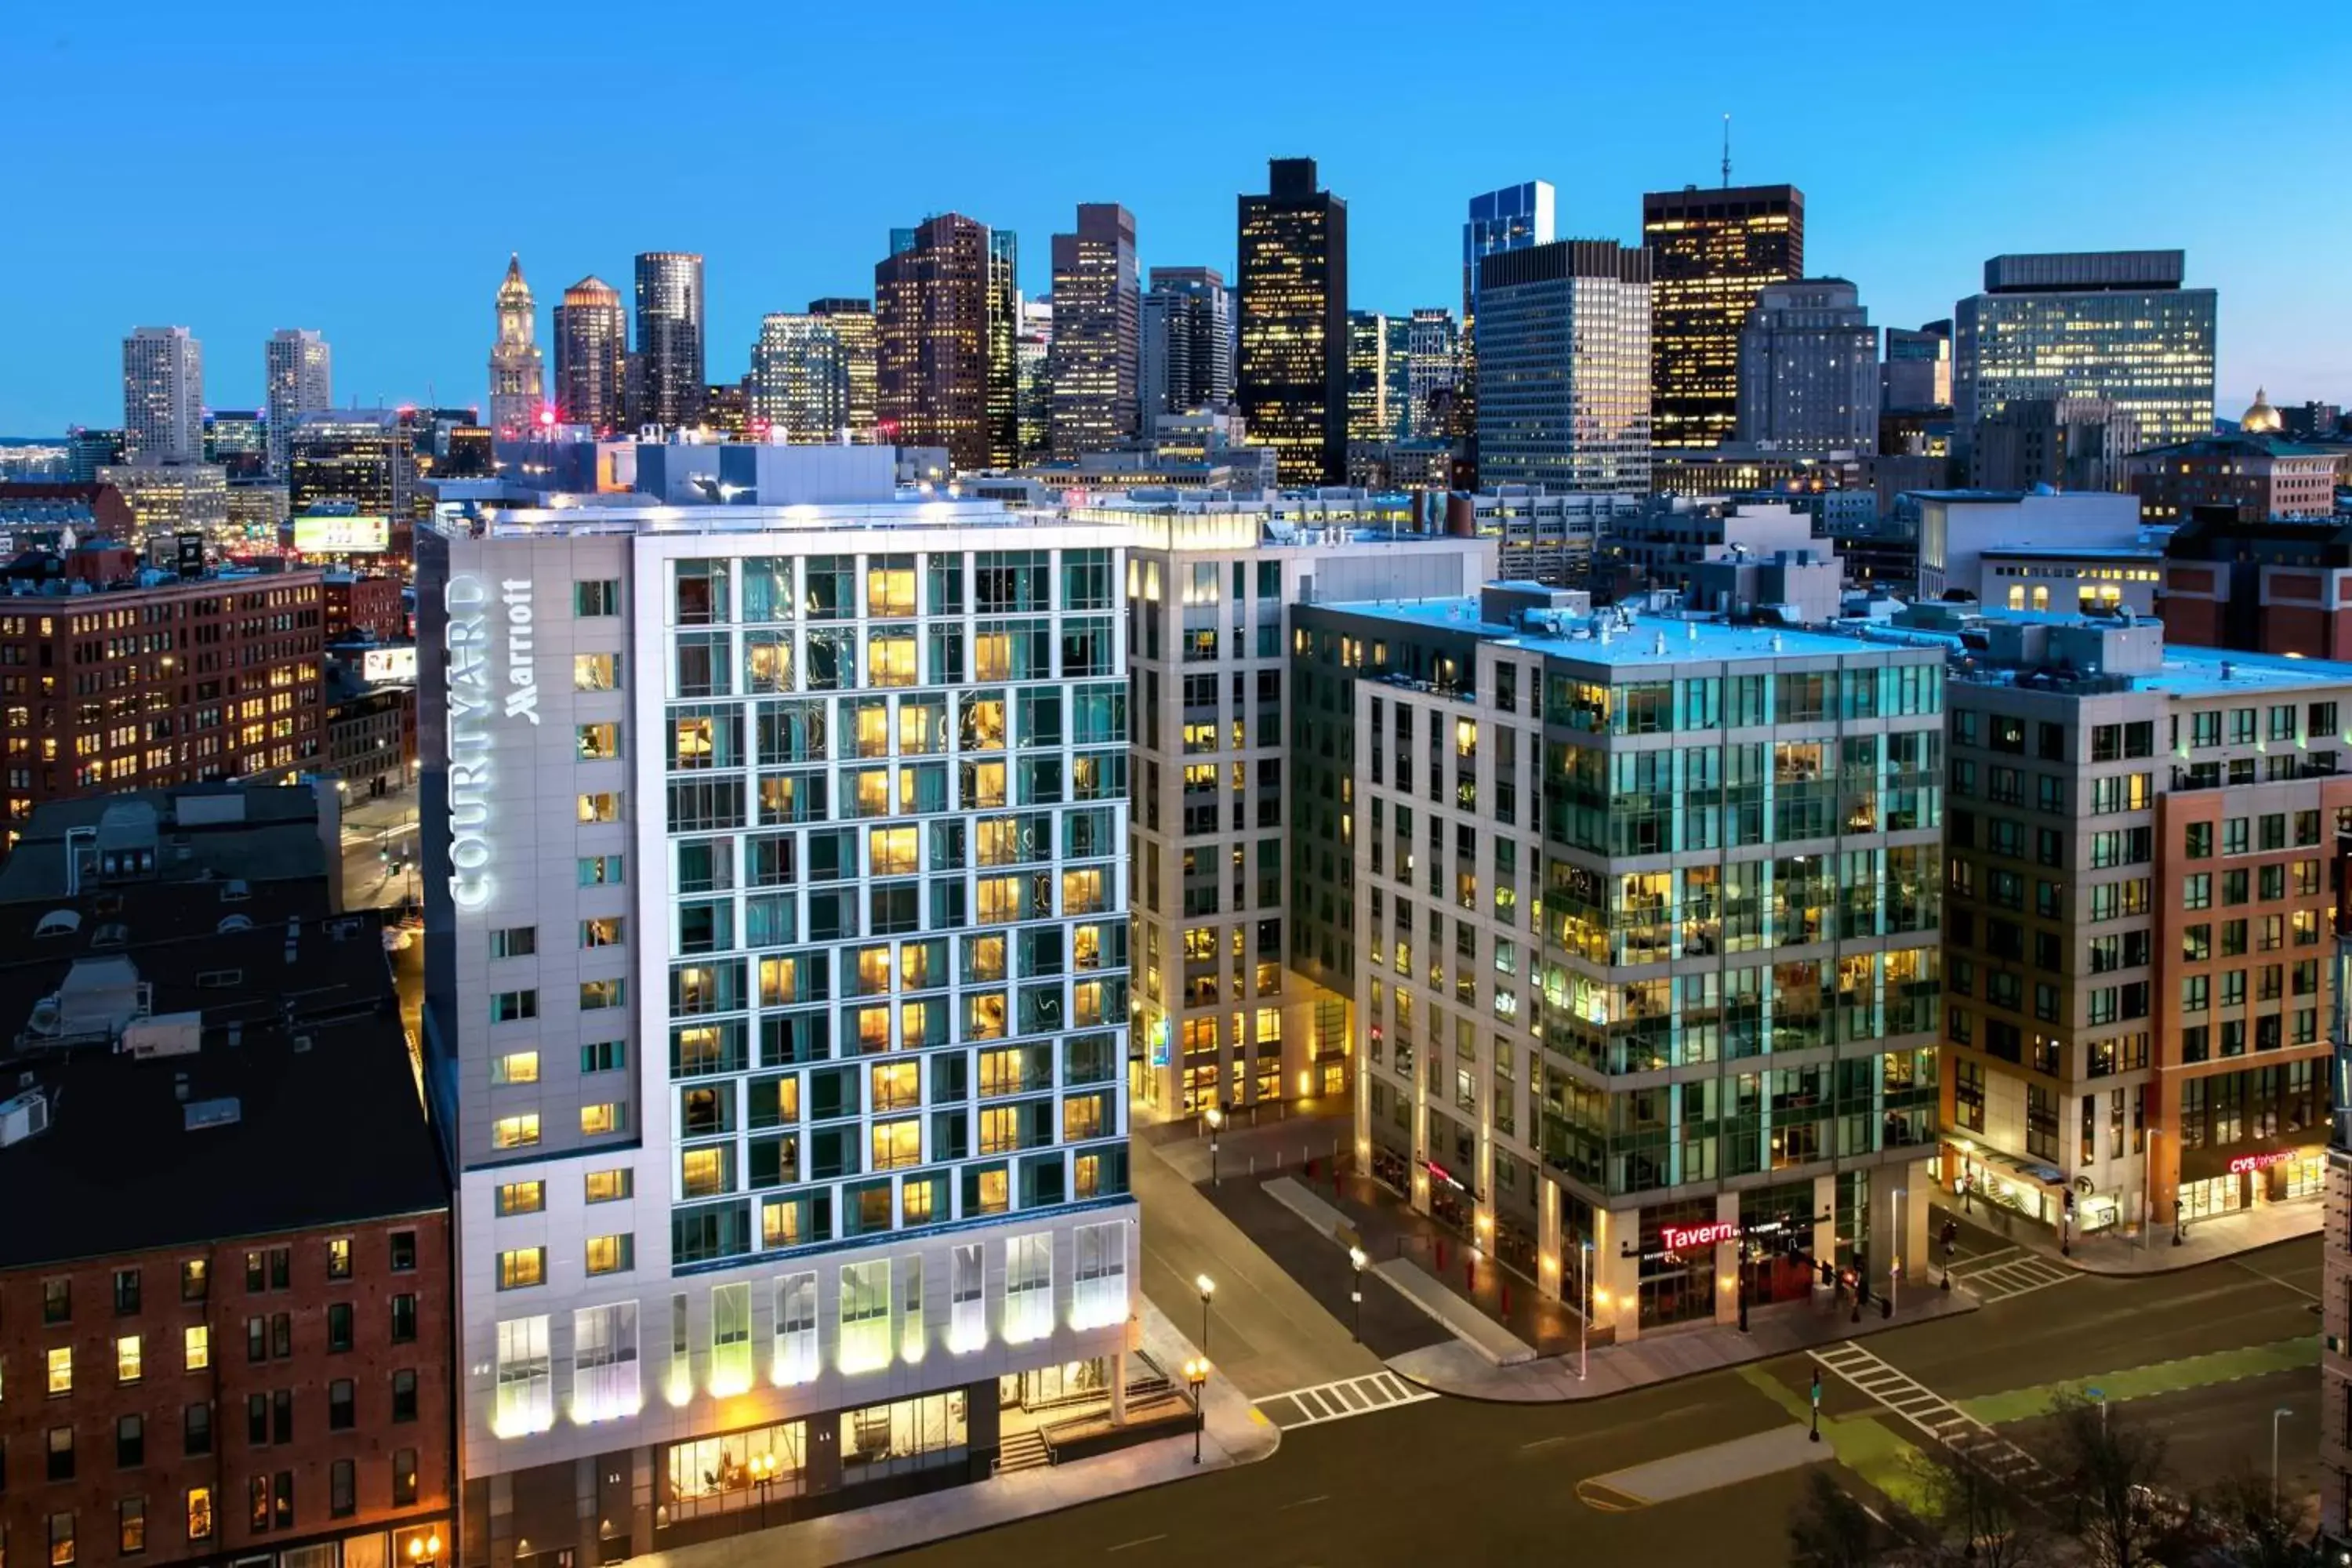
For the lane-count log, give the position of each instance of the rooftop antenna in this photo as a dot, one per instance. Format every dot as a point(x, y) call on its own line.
point(1726, 152)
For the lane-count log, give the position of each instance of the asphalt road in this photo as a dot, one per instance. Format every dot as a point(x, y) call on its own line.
point(1442, 1482)
point(1267, 1332)
point(1454, 1480)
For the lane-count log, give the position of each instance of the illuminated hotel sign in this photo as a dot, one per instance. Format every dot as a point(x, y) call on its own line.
point(1690, 1238)
point(2244, 1163)
point(474, 687)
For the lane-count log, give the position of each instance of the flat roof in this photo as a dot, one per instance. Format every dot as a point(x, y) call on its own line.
point(2088, 552)
point(1686, 641)
point(639, 517)
point(326, 1127)
point(2197, 672)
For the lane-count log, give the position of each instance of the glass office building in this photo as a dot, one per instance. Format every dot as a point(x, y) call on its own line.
point(1643, 939)
point(2113, 325)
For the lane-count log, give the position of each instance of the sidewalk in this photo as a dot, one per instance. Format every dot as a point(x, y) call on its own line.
point(1392, 1230)
point(1235, 1434)
point(1397, 1238)
point(1423, 1289)
point(1662, 1356)
point(2208, 1240)
point(1281, 1142)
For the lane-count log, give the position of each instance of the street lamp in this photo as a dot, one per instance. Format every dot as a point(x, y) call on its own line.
point(2101, 1395)
point(1815, 1436)
point(2280, 1414)
point(1208, 1288)
point(1894, 1263)
point(1356, 1262)
point(1196, 1377)
point(763, 1471)
point(1584, 1318)
point(1215, 1119)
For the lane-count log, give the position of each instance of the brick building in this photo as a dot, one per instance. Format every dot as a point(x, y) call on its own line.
point(228, 1321)
point(2135, 909)
point(92, 508)
point(2259, 586)
point(136, 684)
point(2260, 477)
point(356, 602)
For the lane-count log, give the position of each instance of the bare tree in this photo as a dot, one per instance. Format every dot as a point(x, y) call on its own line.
point(2259, 1528)
point(1979, 1516)
point(2115, 1467)
point(1829, 1529)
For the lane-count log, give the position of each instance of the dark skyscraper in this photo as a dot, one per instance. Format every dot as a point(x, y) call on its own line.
point(591, 353)
point(1712, 252)
point(1293, 283)
point(1091, 361)
point(944, 304)
point(669, 339)
point(1003, 302)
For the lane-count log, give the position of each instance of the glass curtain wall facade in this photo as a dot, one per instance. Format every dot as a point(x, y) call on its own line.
point(1645, 938)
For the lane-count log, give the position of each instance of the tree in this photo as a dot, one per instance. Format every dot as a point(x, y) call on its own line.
point(1829, 1529)
point(2114, 1466)
point(2260, 1528)
point(1980, 1515)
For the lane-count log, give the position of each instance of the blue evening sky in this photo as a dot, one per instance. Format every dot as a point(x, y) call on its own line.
point(365, 168)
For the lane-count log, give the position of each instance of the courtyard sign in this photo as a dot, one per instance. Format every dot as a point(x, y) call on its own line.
point(471, 677)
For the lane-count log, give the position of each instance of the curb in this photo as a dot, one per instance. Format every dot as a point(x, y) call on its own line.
point(1731, 1366)
point(884, 1554)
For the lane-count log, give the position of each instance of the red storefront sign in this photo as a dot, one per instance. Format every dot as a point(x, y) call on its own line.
point(2244, 1163)
point(1689, 1237)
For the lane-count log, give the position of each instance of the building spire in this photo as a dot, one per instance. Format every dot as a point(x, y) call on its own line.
point(1726, 152)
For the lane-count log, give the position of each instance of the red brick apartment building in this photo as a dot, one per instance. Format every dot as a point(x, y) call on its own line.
point(135, 683)
point(2274, 586)
point(225, 1266)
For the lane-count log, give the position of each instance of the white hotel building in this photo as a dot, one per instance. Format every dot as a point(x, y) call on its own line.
point(777, 978)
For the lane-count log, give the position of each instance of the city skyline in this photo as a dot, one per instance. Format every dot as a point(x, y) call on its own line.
point(403, 301)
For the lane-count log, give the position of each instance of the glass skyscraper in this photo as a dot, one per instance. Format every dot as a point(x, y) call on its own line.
point(1513, 218)
point(2115, 326)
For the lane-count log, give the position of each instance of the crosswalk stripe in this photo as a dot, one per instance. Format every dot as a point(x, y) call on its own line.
point(1925, 1408)
point(1347, 1396)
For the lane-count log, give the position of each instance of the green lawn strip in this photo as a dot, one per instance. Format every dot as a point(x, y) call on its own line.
point(2142, 1382)
point(1859, 1442)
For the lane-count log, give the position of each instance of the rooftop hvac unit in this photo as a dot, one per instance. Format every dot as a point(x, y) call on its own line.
point(23, 1117)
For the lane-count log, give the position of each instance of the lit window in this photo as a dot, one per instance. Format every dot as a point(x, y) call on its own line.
point(521, 1197)
point(61, 1370)
point(515, 1066)
point(595, 1121)
point(612, 1254)
point(523, 1267)
point(128, 1354)
point(610, 1186)
point(515, 1132)
point(897, 1144)
point(197, 1345)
